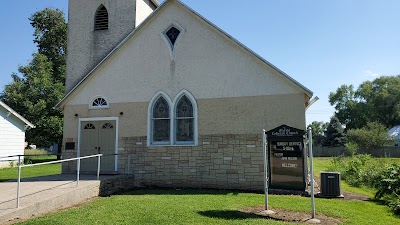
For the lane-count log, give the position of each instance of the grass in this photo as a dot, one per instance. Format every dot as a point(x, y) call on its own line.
point(195, 207)
point(44, 170)
point(198, 207)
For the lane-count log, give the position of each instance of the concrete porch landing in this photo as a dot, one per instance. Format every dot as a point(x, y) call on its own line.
point(45, 194)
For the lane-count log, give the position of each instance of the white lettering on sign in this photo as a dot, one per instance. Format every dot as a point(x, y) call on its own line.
point(289, 158)
point(289, 165)
point(282, 143)
point(278, 154)
point(288, 149)
point(285, 132)
point(294, 143)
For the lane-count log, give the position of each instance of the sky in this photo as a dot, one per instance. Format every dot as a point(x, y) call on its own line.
point(321, 44)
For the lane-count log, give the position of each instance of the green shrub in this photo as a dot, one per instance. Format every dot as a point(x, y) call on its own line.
point(389, 187)
point(352, 147)
point(362, 170)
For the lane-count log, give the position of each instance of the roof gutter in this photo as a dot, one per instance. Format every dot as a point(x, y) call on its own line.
point(310, 103)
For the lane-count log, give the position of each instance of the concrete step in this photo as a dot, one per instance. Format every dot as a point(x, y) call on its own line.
point(45, 194)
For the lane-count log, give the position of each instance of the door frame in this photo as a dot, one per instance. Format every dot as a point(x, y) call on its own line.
point(116, 119)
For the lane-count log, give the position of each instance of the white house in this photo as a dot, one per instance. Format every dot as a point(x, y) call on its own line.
point(12, 134)
point(395, 133)
point(183, 98)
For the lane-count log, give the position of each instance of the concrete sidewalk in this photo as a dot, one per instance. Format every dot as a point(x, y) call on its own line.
point(44, 194)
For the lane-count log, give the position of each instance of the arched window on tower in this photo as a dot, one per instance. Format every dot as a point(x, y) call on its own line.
point(101, 19)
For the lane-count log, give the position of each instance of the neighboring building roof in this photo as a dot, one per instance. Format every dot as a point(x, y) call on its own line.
point(10, 110)
point(149, 18)
point(395, 132)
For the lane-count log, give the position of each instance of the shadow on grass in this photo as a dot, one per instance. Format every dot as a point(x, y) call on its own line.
point(228, 215)
point(377, 201)
point(166, 191)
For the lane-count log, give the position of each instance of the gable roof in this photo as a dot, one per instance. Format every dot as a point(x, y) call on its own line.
point(21, 118)
point(155, 2)
point(307, 91)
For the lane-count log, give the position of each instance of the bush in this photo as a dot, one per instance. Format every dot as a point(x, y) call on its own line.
point(372, 135)
point(352, 147)
point(389, 187)
point(362, 170)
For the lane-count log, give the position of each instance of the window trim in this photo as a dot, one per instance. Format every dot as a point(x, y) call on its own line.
point(172, 106)
point(98, 107)
point(150, 108)
point(194, 107)
point(172, 48)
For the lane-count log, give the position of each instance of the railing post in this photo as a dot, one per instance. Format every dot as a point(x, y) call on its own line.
point(77, 171)
point(129, 164)
point(19, 180)
point(98, 167)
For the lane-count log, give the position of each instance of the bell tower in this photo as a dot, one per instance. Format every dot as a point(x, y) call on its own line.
point(96, 27)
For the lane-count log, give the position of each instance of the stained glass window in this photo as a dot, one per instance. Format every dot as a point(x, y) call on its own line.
point(173, 34)
point(184, 120)
point(161, 121)
point(99, 103)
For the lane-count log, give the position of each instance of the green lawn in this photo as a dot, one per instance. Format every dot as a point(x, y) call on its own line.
point(201, 207)
point(198, 207)
point(44, 170)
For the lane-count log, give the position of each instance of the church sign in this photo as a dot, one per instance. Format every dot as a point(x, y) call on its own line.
point(286, 158)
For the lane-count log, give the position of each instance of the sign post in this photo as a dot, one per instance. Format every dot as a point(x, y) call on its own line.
point(265, 169)
point(266, 179)
point(310, 153)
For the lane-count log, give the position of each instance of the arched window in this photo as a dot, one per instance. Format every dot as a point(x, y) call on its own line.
point(172, 122)
point(184, 121)
point(101, 18)
point(161, 122)
point(98, 103)
point(107, 126)
point(89, 126)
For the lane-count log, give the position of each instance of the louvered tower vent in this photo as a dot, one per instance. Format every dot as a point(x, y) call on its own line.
point(101, 19)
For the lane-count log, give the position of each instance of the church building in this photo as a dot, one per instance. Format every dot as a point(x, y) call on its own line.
point(169, 97)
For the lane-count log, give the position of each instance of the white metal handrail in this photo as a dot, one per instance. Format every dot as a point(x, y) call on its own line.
point(53, 162)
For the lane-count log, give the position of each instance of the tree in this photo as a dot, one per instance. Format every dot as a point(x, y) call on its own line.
point(376, 101)
point(39, 86)
point(334, 135)
point(318, 129)
point(51, 38)
point(372, 135)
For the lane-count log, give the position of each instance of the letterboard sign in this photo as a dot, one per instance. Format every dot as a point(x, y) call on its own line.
point(286, 158)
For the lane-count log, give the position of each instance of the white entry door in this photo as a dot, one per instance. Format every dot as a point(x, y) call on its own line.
point(98, 137)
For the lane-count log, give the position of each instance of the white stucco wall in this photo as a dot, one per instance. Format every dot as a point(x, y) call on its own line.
point(143, 9)
point(12, 137)
point(207, 63)
point(87, 47)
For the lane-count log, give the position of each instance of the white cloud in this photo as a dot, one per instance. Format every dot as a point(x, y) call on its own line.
point(370, 73)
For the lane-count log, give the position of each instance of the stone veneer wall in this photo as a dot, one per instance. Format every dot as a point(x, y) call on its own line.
point(219, 161)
